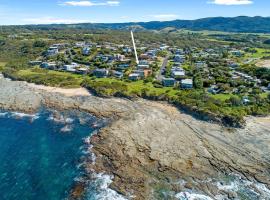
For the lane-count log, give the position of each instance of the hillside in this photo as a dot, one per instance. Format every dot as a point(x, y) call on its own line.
point(235, 24)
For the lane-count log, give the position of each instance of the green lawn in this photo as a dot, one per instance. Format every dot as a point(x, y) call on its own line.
point(259, 54)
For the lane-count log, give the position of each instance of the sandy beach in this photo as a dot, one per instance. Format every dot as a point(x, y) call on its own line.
point(66, 92)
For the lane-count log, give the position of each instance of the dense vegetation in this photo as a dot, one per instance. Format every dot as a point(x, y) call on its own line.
point(235, 24)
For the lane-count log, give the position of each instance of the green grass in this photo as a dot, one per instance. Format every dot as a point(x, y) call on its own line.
point(222, 97)
point(265, 95)
point(2, 64)
point(50, 78)
point(137, 86)
point(259, 54)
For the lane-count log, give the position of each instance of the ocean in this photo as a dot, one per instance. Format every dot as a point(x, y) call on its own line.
point(42, 156)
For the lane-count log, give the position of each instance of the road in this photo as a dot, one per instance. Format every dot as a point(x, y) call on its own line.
point(162, 68)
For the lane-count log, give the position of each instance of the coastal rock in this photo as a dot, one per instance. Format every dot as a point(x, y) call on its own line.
point(152, 145)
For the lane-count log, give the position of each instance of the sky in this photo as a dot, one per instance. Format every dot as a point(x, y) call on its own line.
point(17, 12)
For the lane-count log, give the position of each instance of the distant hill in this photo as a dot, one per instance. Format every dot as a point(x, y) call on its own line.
point(226, 24)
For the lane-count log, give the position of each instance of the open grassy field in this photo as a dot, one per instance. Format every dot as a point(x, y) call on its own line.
point(50, 78)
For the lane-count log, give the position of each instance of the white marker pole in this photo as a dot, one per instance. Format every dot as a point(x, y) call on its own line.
point(134, 46)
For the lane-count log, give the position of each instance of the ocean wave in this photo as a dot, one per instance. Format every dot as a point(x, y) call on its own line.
point(104, 192)
point(66, 129)
point(191, 196)
point(4, 114)
point(240, 185)
point(60, 119)
point(99, 182)
point(19, 115)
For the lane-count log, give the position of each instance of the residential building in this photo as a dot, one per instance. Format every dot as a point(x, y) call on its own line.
point(101, 73)
point(134, 77)
point(52, 51)
point(187, 84)
point(168, 82)
point(35, 62)
point(86, 51)
point(118, 74)
point(50, 65)
point(177, 72)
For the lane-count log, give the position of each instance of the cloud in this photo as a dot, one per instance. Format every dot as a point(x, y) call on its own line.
point(164, 16)
point(90, 3)
point(52, 20)
point(231, 2)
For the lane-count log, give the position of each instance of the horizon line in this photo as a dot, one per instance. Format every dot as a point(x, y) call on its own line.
point(133, 21)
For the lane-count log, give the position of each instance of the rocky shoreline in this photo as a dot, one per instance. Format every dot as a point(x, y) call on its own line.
point(151, 147)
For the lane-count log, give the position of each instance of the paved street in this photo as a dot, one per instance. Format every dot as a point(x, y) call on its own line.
point(162, 68)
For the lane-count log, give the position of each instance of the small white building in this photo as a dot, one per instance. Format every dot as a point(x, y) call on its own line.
point(187, 84)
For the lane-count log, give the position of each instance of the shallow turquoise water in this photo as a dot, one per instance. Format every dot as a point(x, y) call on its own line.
point(39, 157)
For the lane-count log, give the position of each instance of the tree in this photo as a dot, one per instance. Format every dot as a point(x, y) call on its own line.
point(198, 82)
point(39, 43)
point(235, 101)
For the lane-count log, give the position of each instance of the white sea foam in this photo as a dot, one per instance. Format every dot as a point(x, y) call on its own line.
point(4, 114)
point(61, 119)
point(66, 129)
point(233, 186)
point(101, 181)
point(190, 196)
point(262, 188)
point(23, 115)
point(104, 192)
point(19, 115)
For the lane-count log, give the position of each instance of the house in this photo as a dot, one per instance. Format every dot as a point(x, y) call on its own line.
point(101, 73)
point(52, 51)
point(123, 66)
point(214, 89)
point(119, 57)
point(187, 84)
point(168, 82)
point(127, 50)
point(179, 52)
point(134, 77)
point(79, 44)
point(118, 74)
point(236, 53)
point(177, 72)
point(82, 70)
point(140, 72)
point(141, 66)
point(179, 58)
point(51, 65)
point(152, 53)
point(144, 56)
point(70, 68)
point(86, 51)
point(60, 45)
point(35, 62)
point(147, 72)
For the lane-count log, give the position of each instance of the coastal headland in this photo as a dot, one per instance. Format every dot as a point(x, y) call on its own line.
point(152, 146)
